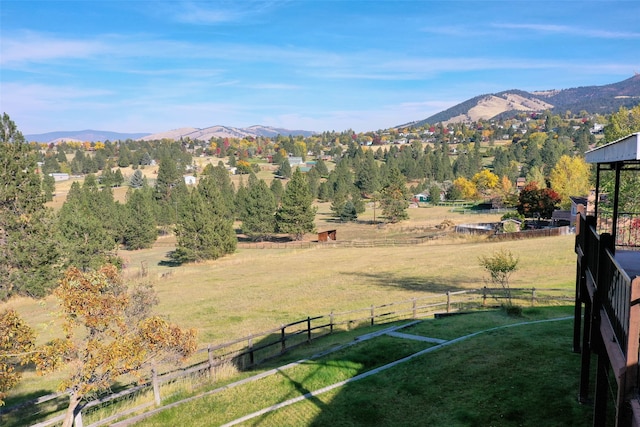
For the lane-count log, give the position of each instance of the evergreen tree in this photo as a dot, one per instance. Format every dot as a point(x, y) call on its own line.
point(285, 169)
point(48, 187)
point(107, 178)
point(321, 167)
point(137, 179)
point(168, 192)
point(140, 225)
point(90, 226)
point(348, 212)
point(258, 214)
point(221, 177)
point(29, 253)
point(118, 178)
point(201, 235)
point(394, 197)
point(367, 174)
point(296, 214)
point(277, 190)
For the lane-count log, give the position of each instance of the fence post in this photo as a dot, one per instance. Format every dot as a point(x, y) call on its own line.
point(211, 367)
point(484, 296)
point(77, 420)
point(533, 296)
point(414, 307)
point(331, 322)
point(250, 344)
point(156, 386)
point(308, 329)
point(448, 301)
point(372, 314)
point(283, 340)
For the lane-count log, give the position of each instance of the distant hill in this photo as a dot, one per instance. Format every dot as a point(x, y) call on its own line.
point(175, 134)
point(593, 99)
point(82, 135)
point(225, 132)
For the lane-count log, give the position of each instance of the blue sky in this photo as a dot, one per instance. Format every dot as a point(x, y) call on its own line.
point(152, 66)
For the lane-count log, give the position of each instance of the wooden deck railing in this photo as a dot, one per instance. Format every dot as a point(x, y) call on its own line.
point(611, 325)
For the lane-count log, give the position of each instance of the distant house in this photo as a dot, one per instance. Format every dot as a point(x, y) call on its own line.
point(421, 198)
point(59, 176)
point(295, 161)
point(190, 180)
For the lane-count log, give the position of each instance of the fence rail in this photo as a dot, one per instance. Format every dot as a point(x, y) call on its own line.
point(249, 351)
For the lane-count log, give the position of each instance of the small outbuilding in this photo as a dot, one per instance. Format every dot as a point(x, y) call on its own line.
point(325, 236)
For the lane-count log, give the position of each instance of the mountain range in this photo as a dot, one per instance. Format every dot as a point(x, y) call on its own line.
point(175, 134)
point(593, 99)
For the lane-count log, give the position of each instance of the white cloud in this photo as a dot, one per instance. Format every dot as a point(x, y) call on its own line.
point(576, 31)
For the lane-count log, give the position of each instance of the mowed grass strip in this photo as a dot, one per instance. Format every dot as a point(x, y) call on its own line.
point(311, 375)
point(524, 375)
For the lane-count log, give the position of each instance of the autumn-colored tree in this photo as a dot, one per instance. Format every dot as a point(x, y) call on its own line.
point(16, 344)
point(466, 188)
point(109, 331)
point(570, 177)
point(537, 202)
point(485, 181)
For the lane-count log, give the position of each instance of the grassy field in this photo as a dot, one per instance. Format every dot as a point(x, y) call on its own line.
point(257, 289)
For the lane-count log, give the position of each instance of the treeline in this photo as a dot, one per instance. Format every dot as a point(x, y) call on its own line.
point(441, 161)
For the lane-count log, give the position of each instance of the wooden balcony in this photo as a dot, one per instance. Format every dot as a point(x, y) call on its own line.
point(608, 286)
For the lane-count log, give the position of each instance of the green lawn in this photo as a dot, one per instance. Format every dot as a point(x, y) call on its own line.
point(524, 375)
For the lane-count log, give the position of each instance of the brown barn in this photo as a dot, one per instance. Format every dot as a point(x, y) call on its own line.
point(324, 236)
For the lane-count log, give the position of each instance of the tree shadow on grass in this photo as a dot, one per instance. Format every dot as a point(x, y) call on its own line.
point(21, 409)
point(437, 285)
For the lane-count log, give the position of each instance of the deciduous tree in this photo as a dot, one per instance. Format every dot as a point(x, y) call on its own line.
point(109, 331)
point(500, 266)
point(17, 342)
point(537, 202)
point(570, 177)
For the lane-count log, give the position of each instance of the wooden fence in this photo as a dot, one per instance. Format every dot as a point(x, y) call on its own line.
point(211, 361)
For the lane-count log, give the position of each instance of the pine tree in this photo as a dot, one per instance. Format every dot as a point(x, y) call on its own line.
point(348, 212)
point(87, 237)
point(137, 179)
point(277, 190)
point(140, 225)
point(200, 234)
point(29, 253)
point(285, 169)
point(258, 214)
point(296, 214)
point(394, 197)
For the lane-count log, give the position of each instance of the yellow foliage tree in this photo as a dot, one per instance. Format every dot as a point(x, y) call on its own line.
point(466, 188)
point(109, 332)
point(485, 181)
point(570, 177)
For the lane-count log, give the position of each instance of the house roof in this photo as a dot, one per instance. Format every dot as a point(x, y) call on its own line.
point(624, 149)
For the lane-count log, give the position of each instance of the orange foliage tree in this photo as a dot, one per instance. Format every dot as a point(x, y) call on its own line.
point(16, 347)
point(109, 332)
